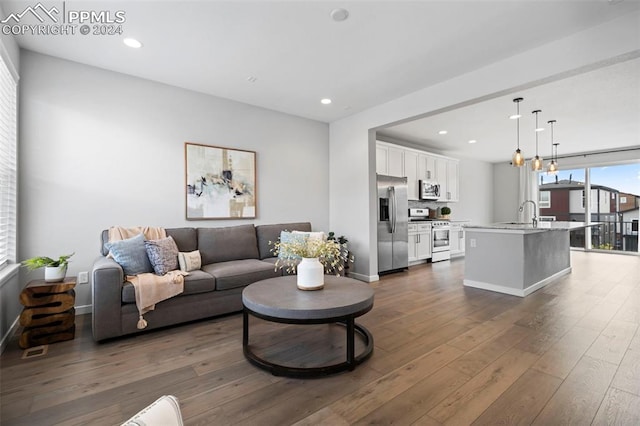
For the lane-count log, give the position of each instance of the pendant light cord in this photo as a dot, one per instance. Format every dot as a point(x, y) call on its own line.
point(518, 123)
point(536, 130)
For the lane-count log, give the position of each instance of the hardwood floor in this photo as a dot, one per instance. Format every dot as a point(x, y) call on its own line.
point(444, 354)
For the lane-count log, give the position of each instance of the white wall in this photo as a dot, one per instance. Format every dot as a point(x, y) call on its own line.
point(9, 48)
point(99, 148)
point(352, 139)
point(476, 192)
point(506, 185)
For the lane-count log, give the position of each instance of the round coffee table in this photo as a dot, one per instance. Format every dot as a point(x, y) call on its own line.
point(279, 300)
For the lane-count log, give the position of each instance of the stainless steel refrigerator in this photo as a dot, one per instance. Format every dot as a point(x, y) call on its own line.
point(393, 224)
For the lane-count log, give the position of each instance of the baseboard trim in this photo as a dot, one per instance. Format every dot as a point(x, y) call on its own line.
point(516, 291)
point(6, 337)
point(84, 309)
point(493, 287)
point(365, 278)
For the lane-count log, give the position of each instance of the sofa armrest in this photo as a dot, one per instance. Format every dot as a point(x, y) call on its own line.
point(107, 278)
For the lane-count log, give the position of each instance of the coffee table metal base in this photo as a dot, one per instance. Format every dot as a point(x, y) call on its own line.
point(350, 364)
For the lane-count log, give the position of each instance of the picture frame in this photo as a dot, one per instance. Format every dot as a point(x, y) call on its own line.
point(220, 183)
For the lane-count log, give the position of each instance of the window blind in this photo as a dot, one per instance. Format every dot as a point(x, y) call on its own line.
point(8, 165)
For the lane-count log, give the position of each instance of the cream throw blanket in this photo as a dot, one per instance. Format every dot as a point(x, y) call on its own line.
point(149, 288)
point(117, 233)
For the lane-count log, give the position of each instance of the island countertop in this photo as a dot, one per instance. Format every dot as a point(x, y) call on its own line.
point(526, 228)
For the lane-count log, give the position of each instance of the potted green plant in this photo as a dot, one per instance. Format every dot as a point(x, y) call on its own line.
point(445, 212)
point(54, 269)
point(345, 254)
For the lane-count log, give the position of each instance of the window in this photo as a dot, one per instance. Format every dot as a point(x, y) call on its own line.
point(545, 199)
point(8, 164)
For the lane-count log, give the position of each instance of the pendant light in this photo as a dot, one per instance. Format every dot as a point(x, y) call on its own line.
point(552, 167)
point(517, 159)
point(536, 162)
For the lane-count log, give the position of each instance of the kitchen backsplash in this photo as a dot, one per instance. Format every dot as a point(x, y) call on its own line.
point(431, 205)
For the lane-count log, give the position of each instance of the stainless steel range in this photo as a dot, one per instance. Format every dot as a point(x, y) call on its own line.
point(440, 234)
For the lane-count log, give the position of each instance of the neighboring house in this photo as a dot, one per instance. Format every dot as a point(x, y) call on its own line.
point(565, 200)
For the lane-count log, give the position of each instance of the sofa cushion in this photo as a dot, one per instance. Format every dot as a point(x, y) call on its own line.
point(228, 243)
point(266, 233)
point(131, 254)
point(195, 282)
point(239, 273)
point(163, 255)
point(186, 238)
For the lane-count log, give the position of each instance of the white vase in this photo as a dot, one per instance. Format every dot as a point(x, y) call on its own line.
point(310, 274)
point(55, 274)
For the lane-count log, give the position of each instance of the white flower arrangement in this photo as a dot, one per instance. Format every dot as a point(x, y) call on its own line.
point(332, 254)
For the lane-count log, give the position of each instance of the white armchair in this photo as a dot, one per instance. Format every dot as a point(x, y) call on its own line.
point(164, 411)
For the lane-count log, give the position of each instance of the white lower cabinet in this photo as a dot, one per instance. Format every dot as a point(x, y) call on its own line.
point(456, 239)
point(419, 242)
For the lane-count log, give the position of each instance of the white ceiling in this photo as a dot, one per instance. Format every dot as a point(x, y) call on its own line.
point(384, 50)
point(594, 111)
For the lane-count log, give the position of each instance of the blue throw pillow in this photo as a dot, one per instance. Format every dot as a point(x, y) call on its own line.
point(289, 237)
point(131, 254)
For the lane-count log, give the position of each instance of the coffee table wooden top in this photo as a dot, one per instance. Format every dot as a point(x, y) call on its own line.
point(280, 298)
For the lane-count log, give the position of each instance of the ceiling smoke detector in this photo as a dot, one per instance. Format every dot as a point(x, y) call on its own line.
point(339, 15)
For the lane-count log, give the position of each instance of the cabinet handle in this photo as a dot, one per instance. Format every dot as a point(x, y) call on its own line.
point(428, 174)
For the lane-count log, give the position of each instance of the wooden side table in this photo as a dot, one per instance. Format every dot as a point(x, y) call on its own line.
point(49, 314)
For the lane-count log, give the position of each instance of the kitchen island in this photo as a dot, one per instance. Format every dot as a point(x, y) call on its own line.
point(517, 258)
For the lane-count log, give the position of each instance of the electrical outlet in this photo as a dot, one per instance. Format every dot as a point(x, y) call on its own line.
point(83, 277)
point(472, 242)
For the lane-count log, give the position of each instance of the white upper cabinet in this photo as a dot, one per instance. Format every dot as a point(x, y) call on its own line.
point(382, 154)
point(389, 160)
point(411, 172)
point(394, 160)
point(447, 177)
point(426, 167)
point(452, 180)
point(441, 177)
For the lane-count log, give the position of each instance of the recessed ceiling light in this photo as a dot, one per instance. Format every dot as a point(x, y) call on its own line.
point(442, 132)
point(539, 129)
point(132, 42)
point(325, 101)
point(473, 141)
point(515, 116)
point(339, 15)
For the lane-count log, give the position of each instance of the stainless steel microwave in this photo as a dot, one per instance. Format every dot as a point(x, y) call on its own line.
point(429, 190)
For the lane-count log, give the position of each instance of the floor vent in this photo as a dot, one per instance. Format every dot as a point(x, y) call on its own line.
point(34, 352)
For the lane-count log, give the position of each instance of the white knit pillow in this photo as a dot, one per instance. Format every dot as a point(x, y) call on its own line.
point(189, 261)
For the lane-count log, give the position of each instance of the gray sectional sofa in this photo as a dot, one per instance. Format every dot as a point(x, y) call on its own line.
point(232, 258)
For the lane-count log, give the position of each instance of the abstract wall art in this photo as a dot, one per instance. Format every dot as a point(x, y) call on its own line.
point(220, 182)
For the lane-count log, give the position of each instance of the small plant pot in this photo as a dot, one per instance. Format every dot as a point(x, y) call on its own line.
point(55, 274)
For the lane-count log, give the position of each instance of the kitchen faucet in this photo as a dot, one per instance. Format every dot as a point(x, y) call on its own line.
point(535, 209)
